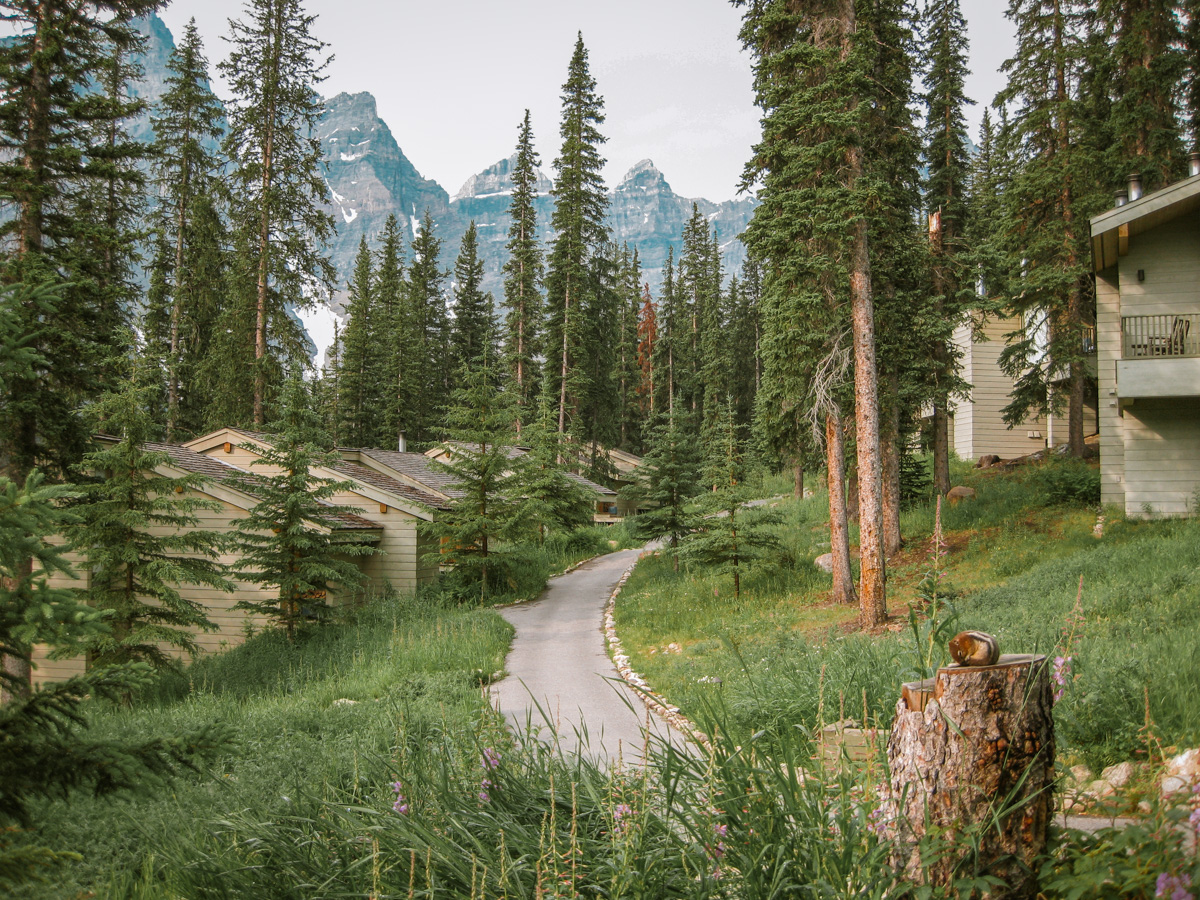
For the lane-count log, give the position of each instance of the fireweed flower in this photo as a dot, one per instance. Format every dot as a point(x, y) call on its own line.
point(621, 812)
point(1062, 671)
point(484, 796)
point(1173, 887)
point(491, 759)
point(401, 805)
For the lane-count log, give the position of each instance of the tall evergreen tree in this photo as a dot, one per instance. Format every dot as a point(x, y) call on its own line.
point(273, 70)
point(424, 378)
point(474, 311)
point(1145, 40)
point(481, 426)
point(362, 390)
point(1053, 192)
point(287, 538)
point(628, 371)
point(947, 164)
point(647, 337)
point(396, 338)
point(813, 81)
point(188, 122)
point(141, 537)
point(573, 281)
point(671, 467)
point(523, 273)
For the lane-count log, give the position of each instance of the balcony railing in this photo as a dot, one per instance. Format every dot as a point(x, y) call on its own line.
point(1156, 337)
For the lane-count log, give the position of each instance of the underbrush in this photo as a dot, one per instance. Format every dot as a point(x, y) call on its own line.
point(333, 716)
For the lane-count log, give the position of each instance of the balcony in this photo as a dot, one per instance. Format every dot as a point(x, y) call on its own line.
point(1160, 356)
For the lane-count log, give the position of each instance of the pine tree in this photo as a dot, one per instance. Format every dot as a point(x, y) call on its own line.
point(397, 342)
point(573, 281)
point(670, 469)
point(1145, 40)
point(731, 536)
point(814, 82)
point(141, 538)
point(484, 513)
point(361, 365)
point(947, 162)
point(628, 371)
point(549, 496)
point(286, 539)
point(523, 273)
point(474, 309)
point(188, 122)
point(273, 71)
point(1048, 203)
point(647, 337)
point(424, 378)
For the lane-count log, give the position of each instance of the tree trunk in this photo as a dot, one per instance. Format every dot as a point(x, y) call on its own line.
point(839, 530)
point(941, 449)
point(872, 572)
point(798, 488)
point(890, 451)
point(974, 772)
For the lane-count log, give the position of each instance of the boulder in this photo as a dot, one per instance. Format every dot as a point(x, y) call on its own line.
point(987, 460)
point(960, 492)
point(1099, 789)
point(824, 562)
point(1181, 773)
point(1119, 775)
point(1081, 774)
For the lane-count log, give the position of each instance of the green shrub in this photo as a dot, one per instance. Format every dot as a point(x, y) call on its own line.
point(1065, 480)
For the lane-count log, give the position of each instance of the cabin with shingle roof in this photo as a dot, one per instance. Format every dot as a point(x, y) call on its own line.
point(392, 504)
point(232, 489)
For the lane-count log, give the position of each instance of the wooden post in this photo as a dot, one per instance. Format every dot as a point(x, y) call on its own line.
point(974, 769)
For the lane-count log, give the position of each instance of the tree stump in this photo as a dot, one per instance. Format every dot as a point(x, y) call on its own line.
point(973, 771)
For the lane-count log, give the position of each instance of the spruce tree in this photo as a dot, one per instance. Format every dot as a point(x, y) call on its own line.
point(549, 496)
point(647, 338)
point(287, 539)
point(670, 468)
point(1047, 206)
point(814, 81)
point(475, 532)
point(141, 538)
point(273, 70)
point(361, 363)
point(574, 276)
point(1145, 40)
point(188, 123)
point(523, 273)
point(423, 383)
point(947, 163)
point(474, 310)
point(731, 536)
point(628, 372)
point(397, 343)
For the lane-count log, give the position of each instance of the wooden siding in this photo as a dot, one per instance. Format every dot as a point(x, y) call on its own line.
point(232, 625)
point(979, 427)
point(1162, 456)
point(1108, 353)
point(1169, 258)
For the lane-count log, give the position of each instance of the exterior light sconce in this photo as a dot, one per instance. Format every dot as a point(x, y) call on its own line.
point(1141, 274)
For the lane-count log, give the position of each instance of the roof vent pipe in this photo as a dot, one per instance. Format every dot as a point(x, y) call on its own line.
point(1135, 186)
point(1121, 197)
point(402, 443)
point(1193, 164)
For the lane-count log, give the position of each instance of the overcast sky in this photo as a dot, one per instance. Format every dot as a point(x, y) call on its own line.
point(453, 77)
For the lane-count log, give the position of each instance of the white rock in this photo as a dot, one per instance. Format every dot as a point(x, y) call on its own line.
point(1099, 789)
point(824, 562)
point(1119, 775)
point(1081, 774)
point(345, 701)
point(1174, 784)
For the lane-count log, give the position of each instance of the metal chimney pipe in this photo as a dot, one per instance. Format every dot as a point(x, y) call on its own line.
point(1121, 197)
point(402, 443)
point(1193, 164)
point(1135, 186)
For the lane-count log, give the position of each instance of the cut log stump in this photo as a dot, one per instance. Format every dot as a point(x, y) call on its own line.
point(972, 775)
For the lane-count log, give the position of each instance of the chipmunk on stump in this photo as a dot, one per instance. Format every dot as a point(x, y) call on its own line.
point(975, 648)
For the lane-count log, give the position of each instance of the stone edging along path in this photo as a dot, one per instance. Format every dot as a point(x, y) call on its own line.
point(654, 702)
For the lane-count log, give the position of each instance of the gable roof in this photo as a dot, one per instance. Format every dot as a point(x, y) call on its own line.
point(389, 484)
point(415, 466)
point(247, 483)
point(515, 451)
point(1112, 230)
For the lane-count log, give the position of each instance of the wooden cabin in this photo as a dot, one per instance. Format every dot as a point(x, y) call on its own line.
point(231, 489)
point(1146, 255)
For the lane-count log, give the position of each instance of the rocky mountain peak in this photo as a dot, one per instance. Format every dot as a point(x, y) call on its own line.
point(496, 181)
point(644, 176)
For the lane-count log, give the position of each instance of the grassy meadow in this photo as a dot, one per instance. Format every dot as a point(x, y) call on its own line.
point(368, 763)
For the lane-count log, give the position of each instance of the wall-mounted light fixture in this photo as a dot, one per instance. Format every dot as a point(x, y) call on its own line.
point(1141, 274)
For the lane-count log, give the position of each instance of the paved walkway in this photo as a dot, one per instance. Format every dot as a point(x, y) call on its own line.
point(559, 671)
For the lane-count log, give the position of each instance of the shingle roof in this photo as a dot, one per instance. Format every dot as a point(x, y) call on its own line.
point(391, 485)
point(225, 473)
point(592, 486)
point(416, 466)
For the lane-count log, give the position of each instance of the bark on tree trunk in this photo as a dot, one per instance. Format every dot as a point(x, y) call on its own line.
point(890, 450)
point(941, 450)
point(839, 530)
point(973, 773)
point(798, 488)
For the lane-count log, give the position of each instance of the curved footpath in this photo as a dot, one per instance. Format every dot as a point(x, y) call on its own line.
point(559, 673)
